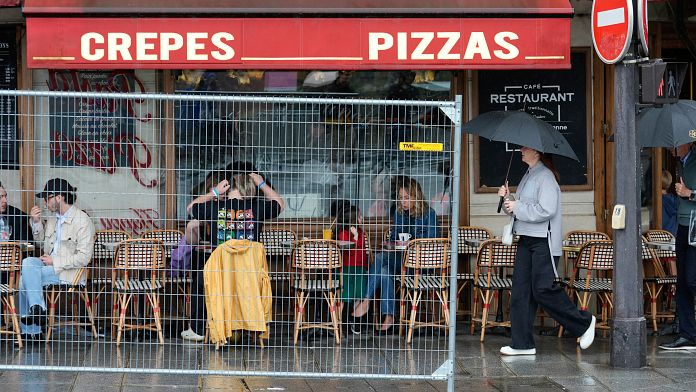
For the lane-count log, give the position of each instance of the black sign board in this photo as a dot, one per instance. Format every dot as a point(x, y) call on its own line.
point(9, 156)
point(558, 97)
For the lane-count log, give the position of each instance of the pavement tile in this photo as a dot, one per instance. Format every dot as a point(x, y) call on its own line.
point(352, 385)
point(224, 382)
point(36, 377)
point(401, 385)
point(276, 384)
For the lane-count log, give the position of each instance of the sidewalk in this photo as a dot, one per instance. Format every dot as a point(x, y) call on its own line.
point(558, 365)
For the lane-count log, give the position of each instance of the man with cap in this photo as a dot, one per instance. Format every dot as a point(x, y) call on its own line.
point(68, 241)
point(13, 222)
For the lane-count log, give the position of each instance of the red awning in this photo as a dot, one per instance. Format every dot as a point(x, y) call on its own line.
point(317, 7)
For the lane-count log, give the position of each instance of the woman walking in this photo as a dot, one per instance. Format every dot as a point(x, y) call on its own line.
point(537, 221)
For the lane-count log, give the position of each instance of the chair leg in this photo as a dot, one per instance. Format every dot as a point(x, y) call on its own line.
point(331, 300)
point(402, 309)
point(123, 299)
point(445, 306)
point(90, 314)
point(415, 301)
point(474, 311)
point(51, 313)
point(154, 303)
point(484, 316)
point(299, 313)
point(15, 322)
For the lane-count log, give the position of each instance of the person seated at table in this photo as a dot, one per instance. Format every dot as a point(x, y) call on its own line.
point(233, 212)
point(14, 223)
point(349, 228)
point(68, 242)
point(412, 216)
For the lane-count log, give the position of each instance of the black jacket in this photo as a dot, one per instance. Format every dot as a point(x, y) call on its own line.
point(19, 221)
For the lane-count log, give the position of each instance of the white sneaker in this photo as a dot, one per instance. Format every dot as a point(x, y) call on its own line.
point(588, 337)
point(507, 350)
point(192, 336)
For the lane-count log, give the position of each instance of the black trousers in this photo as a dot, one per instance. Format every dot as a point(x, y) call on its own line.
point(533, 286)
point(198, 315)
point(686, 283)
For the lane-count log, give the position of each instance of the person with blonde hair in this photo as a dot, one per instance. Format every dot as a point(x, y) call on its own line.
point(413, 216)
point(233, 211)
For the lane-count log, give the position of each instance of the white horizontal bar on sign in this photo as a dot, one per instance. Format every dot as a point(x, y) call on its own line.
point(610, 17)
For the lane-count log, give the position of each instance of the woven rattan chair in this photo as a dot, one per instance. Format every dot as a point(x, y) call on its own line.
point(425, 271)
point(465, 278)
point(78, 287)
point(317, 270)
point(578, 237)
point(138, 267)
point(657, 280)
point(596, 257)
point(493, 263)
point(180, 283)
point(278, 244)
point(102, 262)
point(10, 264)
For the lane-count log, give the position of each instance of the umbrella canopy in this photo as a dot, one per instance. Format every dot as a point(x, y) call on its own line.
point(518, 127)
point(671, 125)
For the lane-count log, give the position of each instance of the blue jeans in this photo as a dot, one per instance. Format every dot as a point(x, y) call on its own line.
point(384, 270)
point(35, 275)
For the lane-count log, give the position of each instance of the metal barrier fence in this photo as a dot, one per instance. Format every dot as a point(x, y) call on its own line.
point(351, 202)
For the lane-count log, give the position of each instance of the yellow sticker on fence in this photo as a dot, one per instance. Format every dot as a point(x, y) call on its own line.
point(409, 146)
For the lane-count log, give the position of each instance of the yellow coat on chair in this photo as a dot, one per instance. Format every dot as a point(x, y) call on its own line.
point(237, 290)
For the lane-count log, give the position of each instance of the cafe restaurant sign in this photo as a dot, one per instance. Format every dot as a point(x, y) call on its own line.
point(298, 43)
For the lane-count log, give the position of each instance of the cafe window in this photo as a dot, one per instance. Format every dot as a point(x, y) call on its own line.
point(314, 155)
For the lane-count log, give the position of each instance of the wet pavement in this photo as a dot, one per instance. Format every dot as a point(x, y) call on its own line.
point(558, 365)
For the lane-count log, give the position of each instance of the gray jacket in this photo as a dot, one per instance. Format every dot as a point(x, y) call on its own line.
point(538, 203)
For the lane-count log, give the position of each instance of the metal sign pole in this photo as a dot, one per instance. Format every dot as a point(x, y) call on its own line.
point(628, 340)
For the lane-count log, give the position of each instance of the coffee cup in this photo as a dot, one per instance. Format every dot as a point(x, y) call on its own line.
point(403, 237)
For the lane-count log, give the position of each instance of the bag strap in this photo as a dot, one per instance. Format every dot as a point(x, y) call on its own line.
point(553, 261)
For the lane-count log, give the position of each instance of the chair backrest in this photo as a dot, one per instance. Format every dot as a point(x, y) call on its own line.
point(386, 235)
point(316, 254)
point(102, 237)
point(11, 262)
point(661, 236)
point(493, 253)
point(582, 236)
point(428, 253)
point(169, 237)
point(277, 242)
point(470, 232)
point(10, 256)
point(596, 255)
point(140, 254)
point(650, 255)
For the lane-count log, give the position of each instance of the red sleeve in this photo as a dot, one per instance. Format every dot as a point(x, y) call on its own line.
point(343, 235)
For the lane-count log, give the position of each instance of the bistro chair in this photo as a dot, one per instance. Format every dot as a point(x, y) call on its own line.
point(10, 265)
point(138, 267)
point(577, 238)
point(596, 258)
point(181, 284)
point(278, 244)
point(468, 252)
point(102, 262)
point(317, 271)
point(656, 280)
point(494, 261)
point(78, 287)
point(425, 271)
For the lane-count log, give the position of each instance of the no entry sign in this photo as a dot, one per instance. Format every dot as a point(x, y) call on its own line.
point(612, 28)
point(643, 24)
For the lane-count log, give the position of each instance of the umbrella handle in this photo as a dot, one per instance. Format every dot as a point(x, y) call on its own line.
point(500, 203)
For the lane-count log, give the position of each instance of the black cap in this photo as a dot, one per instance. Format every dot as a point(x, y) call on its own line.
point(56, 186)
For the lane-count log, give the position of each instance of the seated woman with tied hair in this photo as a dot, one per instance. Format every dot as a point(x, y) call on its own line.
point(233, 211)
point(412, 215)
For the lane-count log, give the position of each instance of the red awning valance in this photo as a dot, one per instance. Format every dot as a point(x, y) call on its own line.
point(305, 7)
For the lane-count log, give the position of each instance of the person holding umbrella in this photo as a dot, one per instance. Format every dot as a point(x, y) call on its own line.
point(537, 213)
point(686, 254)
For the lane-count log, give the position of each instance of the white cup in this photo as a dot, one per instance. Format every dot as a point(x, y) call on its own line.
point(403, 237)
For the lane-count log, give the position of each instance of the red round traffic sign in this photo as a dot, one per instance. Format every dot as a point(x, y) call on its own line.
point(612, 28)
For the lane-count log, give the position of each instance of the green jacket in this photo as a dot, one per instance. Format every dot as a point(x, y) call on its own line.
point(688, 174)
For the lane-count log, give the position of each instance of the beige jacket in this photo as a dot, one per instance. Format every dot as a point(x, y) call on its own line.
point(76, 245)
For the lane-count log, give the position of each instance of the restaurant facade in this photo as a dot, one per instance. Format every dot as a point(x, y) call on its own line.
point(511, 55)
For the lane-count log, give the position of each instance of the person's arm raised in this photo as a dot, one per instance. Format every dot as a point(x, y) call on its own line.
point(268, 192)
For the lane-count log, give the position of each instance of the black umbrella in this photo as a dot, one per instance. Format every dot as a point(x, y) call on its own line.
point(671, 125)
point(519, 127)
